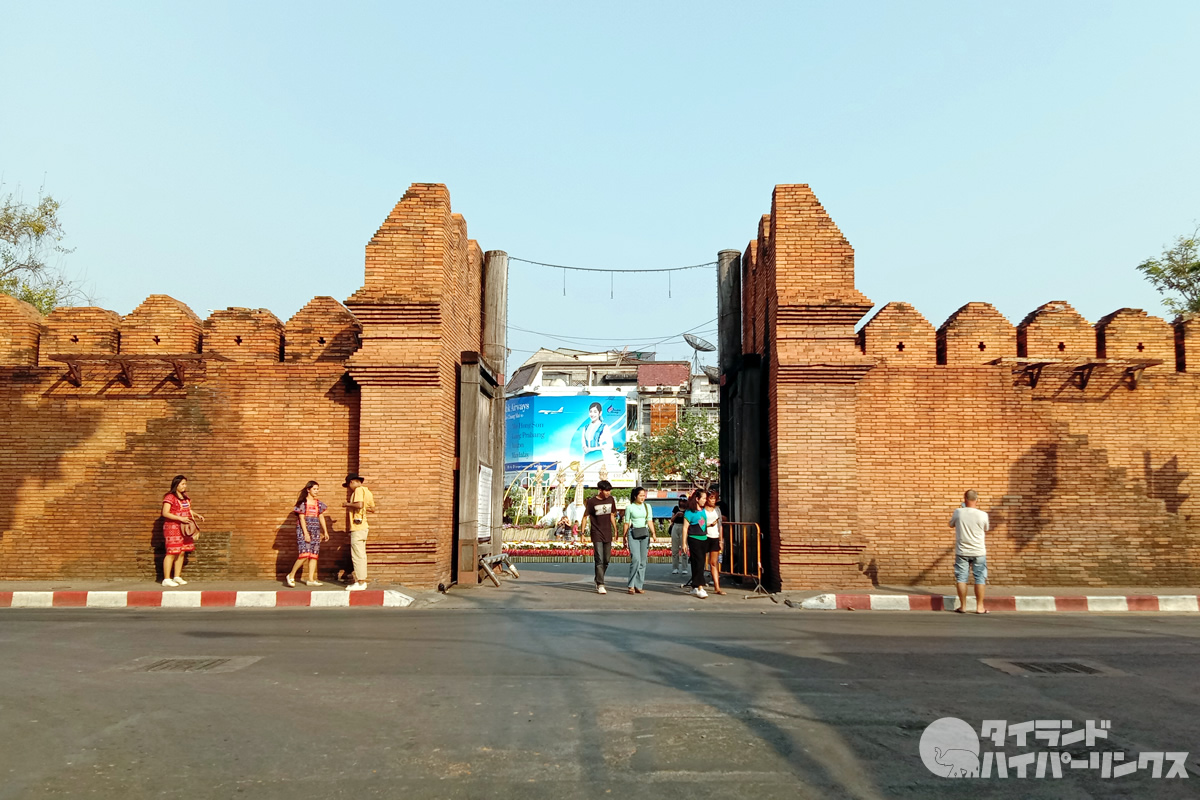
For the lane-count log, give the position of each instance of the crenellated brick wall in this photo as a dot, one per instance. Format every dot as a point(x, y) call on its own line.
point(1083, 441)
point(248, 408)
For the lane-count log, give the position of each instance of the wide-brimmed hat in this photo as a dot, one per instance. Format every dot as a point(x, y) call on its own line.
point(353, 477)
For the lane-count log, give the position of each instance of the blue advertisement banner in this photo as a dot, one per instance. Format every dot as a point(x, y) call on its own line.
point(551, 432)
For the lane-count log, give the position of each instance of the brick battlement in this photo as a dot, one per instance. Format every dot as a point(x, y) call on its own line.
point(979, 334)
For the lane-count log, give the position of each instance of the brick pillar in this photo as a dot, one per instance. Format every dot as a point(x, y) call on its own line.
point(420, 309)
point(814, 365)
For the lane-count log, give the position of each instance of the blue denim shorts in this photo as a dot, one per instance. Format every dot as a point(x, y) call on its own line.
point(978, 566)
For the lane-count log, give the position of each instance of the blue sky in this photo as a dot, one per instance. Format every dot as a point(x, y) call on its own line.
point(244, 153)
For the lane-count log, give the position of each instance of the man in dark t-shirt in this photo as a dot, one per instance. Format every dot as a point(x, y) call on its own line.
point(599, 514)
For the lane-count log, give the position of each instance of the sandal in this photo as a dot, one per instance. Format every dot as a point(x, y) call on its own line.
point(631, 590)
point(718, 591)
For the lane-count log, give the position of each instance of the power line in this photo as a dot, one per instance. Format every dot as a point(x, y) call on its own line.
point(597, 269)
point(579, 338)
point(583, 340)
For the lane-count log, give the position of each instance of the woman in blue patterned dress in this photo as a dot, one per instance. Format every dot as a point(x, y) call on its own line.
point(310, 532)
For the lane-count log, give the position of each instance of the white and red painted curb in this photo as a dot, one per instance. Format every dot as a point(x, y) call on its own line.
point(936, 602)
point(385, 598)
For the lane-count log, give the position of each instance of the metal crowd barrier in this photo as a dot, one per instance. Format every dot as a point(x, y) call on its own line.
point(742, 552)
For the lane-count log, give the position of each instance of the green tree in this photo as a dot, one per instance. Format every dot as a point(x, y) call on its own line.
point(1177, 272)
point(687, 450)
point(30, 235)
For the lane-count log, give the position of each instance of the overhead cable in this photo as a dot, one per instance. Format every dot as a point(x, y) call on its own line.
point(601, 269)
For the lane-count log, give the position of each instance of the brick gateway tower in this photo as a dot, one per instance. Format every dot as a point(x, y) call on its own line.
point(1083, 441)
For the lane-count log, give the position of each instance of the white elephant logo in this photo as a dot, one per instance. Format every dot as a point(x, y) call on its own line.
point(958, 763)
point(950, 749)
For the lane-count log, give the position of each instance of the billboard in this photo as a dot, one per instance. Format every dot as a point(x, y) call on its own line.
point(551, 432)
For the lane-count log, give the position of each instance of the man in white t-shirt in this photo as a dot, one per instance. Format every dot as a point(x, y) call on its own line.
point(970, 526)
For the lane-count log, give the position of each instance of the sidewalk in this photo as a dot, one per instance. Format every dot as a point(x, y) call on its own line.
point(1007, 599)
point(570, 587)
point(133, 593)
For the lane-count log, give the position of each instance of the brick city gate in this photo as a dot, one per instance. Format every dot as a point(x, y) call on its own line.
point(849, 449)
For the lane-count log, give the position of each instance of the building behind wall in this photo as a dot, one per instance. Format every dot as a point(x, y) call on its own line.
point(656, 393)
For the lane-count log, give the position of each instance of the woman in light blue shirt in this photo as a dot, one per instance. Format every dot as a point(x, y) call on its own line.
point(639, 527)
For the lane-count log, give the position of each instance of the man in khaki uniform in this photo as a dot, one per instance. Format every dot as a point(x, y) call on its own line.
point(361, 501)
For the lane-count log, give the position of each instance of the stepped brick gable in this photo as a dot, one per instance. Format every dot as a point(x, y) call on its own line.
point(83, 331)
point(1056, 331)
point(899, 334)
point(1085, 452)
point(161, 325)
point(243, 334)
point(20, 329)
point(324, 330)
point(975, 334)
point(1187, 337)
point(1132, 333)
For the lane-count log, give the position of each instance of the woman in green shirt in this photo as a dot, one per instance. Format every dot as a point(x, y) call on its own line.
point(639, 527)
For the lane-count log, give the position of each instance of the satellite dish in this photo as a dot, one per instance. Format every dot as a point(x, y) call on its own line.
point(699, 344)
point(713, 374)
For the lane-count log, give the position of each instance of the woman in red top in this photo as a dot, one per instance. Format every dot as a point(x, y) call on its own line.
point(310, 532)
point(179, 529)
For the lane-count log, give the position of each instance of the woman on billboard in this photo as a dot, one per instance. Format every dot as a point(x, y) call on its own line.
point(596, 439)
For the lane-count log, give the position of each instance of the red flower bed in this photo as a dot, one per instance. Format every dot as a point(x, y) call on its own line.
point(617, 552)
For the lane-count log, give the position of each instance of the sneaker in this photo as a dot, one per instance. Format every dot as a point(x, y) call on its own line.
point(181, 581)
point(356, 587)
point(601, 590)
point(674, 572)
point(168, 582)
point(313, 583)
point(694, 592)
point(701, 593)
point(290, 581)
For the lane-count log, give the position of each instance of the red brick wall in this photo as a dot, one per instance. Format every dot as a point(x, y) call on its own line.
point(1084, 486)
point(262, 409)
point(84, 469)
point(1087, 468)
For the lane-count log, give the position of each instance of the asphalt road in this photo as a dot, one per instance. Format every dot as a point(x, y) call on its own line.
point(625, 703)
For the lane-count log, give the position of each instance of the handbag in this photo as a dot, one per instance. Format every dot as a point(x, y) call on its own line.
point(190, 529)
point(639, 533)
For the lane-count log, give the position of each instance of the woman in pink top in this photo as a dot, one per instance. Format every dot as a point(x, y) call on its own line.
point(310, 532)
